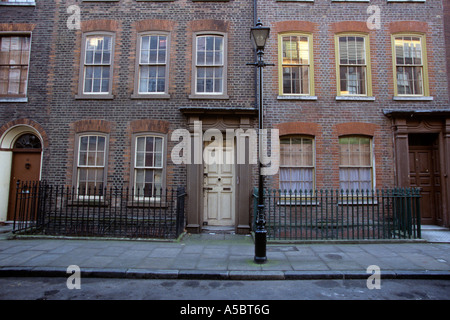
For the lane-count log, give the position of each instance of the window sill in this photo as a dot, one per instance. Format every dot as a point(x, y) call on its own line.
point(358, 202)
point(148, 203)
point(94, 97)
point(21, 4)
point(308, 98)
point(13, 100)
point(85, 201)
point(355, 98)
point(412, 98)
point(406, 0)
point(151, 96)
point(209, 97)
point(298, 202)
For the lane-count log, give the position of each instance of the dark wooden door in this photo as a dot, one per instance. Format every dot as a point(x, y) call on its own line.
point(424, 173)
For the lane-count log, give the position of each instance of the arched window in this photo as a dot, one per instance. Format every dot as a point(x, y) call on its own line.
point(28, 141)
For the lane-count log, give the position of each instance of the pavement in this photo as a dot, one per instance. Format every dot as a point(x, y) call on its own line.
point(225, 257)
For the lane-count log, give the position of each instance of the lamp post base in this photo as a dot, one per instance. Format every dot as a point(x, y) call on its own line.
point(260, 246)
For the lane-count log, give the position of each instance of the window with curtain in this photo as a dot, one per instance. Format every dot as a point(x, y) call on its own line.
point(18, 1)
point(296, 64)
point(91, 165)
point(296, 164)
point(148, 166)
point(14, 59)
point(355, 165)
point(409, 66)
point(352, 65)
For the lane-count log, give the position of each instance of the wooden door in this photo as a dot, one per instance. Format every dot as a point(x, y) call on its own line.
point(26, 166)
point(425, 174)
point(219, 196)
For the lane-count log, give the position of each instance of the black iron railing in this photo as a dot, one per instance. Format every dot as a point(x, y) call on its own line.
point(338, 214)
point(43, 208)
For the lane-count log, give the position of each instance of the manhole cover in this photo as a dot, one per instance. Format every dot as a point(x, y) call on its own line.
point(281, 249)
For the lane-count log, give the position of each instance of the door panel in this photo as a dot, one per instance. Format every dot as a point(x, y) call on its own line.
point(26, 166)
point(218, 190)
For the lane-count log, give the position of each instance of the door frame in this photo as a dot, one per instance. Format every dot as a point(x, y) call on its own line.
point(9, 133)
point(220, 119)
point(429, 150)
point(413, 122)
point(233, 189)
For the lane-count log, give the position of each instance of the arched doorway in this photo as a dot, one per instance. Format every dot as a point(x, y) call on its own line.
point(25, 165)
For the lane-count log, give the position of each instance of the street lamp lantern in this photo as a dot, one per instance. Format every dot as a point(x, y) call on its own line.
point(259, 36)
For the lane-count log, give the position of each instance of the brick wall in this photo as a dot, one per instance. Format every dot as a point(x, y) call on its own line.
point(55, 65)
point(55, 71)
point(446, 8)
point(324, 18)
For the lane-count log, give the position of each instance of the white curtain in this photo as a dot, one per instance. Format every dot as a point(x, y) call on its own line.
point(355, 178)
point(296, 179)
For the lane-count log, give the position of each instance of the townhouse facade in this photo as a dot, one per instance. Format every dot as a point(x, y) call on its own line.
point(92, 93)
point(362, 86)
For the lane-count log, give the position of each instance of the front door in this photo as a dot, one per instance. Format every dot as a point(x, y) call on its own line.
point(218, 187)
point(425, 174)
point(26, 166)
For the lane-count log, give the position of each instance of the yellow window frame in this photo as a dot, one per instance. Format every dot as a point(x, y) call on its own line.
point(368, 63)
point(280, 63)
point(422, 36)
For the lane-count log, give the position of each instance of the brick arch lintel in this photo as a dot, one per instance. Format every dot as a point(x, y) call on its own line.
point(26, 123)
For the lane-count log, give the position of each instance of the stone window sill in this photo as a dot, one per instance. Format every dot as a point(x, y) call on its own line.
point(313, 98)
point(411, 98)
point(355, 98)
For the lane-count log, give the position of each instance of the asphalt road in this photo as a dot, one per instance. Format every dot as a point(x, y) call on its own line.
point(221, 291)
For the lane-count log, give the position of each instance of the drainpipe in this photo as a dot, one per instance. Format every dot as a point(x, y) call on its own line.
point(255, 72)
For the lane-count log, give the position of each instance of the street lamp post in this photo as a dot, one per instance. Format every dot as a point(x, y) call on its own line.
point(259, 35)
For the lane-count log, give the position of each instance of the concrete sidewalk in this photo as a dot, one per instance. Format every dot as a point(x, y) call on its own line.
point(221, 256)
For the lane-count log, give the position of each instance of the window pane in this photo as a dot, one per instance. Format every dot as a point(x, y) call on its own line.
point(210, 50)
point(353, 80)
point(296, 172)
point(355, 163)
point(295, 50)
point(4, 50)
point(410, 80)
point(352, 50)
point(408, 50)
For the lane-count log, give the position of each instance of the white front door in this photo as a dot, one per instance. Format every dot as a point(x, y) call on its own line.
point(218, 186)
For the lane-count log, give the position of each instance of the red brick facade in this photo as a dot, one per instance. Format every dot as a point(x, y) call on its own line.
point(56, 110)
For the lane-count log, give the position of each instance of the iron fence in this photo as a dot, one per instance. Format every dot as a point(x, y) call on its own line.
point(47, 209)
point(338, 214)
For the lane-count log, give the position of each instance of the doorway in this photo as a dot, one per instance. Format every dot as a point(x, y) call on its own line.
point(218, 186)
point(26, 166)
point(424, 173)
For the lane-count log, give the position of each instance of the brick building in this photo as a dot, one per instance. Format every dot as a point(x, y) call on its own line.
point(96, 104)
point(347, 90)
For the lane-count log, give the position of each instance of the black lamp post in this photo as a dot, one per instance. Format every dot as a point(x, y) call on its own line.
point(259, 35)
